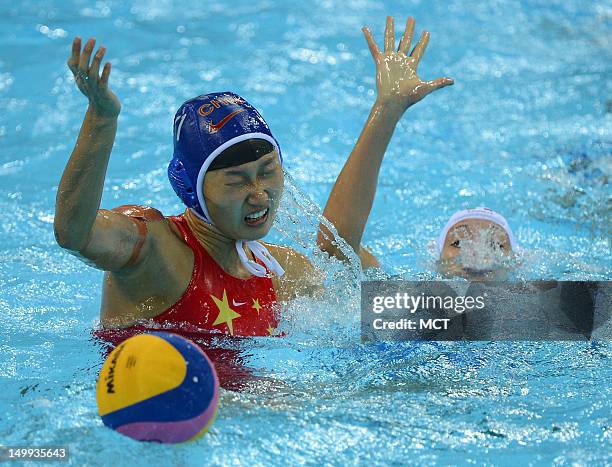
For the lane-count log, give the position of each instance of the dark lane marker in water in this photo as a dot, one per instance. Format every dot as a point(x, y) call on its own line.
point(24, 390)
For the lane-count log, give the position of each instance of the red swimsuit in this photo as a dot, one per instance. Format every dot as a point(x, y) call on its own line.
point(217, 301)
point(214, 304)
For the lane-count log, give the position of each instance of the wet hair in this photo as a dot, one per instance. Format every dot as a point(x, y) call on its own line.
point(240, 153)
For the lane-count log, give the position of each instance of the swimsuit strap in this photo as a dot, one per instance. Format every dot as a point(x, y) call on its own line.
point(188, 235)
point(260, 252)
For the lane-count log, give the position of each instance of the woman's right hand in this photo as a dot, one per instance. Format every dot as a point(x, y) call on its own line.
point(102, 101)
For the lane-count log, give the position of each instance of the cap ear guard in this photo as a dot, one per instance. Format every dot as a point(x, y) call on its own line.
point(181, 184)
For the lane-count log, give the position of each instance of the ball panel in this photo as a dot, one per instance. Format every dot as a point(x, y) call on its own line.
point(181, 412)
point(172, 432)
point(206, 428)
point(131, 372)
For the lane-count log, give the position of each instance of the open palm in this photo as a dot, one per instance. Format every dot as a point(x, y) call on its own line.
point(89, 80)
point(397, 81)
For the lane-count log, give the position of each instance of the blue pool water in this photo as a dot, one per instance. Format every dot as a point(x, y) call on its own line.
point(526, 130)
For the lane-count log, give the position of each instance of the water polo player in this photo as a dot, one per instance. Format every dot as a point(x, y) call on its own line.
point(476, 244)
point(206, 267)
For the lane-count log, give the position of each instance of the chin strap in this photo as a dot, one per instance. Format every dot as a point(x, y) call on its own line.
point(260, 252)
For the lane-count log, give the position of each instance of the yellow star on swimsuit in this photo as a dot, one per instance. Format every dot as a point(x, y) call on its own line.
point(226, 314)
point(256, 305)
point(270, 329)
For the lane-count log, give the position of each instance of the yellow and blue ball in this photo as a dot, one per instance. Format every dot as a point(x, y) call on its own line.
point(158, 387)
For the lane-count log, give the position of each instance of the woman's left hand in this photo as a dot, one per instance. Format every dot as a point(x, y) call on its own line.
point(397, 82)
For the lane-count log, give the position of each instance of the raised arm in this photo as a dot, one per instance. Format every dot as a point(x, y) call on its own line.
point(103, 239)
point(398, 88)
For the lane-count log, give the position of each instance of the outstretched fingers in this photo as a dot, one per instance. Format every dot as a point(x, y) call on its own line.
point(374, 50)
point(85, 56)
point(105, 74)
point(94, 69)
point(73, 60)
point(406, 40)
point(389, 36)
point(87, 74)
point(419, 50)
point(439, 83)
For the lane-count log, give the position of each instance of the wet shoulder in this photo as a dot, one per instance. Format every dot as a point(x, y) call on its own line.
point(300, 278)
point(293, 262)
point(163, 235)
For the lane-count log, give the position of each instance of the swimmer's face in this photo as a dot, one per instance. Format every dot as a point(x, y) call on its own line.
point(242, 200)
point(475, 249)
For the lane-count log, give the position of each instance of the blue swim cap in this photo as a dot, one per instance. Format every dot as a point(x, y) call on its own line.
point(203, 128)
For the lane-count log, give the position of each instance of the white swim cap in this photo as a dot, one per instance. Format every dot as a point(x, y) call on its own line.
point(476, 213)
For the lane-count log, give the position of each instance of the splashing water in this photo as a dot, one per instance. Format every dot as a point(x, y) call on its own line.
point(334, 315)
